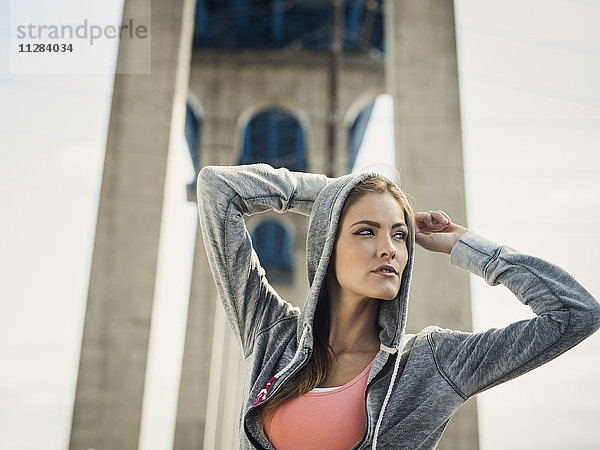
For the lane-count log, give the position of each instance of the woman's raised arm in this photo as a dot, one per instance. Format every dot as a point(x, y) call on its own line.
point(566, 314)
point(225, 194)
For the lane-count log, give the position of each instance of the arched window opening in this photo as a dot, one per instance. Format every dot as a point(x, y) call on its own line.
point(372, 138)
point(274, 136)
point(357, 134)
point(274, 247)
point(192, 137)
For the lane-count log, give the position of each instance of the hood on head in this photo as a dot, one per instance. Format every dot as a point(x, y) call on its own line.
point(322, 228)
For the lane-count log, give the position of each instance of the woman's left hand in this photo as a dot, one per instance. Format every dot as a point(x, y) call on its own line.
point(434, 231)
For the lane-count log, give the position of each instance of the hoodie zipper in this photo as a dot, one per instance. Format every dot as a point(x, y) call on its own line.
point(280, 385)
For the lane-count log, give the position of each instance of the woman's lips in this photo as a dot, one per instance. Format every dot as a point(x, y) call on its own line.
point(386, 271)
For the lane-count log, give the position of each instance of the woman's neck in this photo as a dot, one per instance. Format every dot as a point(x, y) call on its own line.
point(352, 325)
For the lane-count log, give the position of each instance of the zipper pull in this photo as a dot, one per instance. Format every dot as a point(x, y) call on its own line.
point(263, 392)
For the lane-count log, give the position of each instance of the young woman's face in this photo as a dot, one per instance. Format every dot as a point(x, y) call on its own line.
point(371, 253)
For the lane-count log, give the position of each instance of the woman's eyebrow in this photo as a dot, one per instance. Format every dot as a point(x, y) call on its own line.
point(377, 225)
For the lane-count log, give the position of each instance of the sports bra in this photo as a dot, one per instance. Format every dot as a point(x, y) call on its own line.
point(324, 418)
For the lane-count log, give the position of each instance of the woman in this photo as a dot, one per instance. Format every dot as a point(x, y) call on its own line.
point(341, 373)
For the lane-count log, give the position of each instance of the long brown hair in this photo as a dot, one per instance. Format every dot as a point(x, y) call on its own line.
point(319, 364)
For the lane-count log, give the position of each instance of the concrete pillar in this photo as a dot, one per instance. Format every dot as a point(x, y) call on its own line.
point(147, 112)
point(423, 79)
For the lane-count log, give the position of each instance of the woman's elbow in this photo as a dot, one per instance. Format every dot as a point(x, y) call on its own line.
point(595, 316)
point(206, 177)
point(588, 317)
point(210, 183)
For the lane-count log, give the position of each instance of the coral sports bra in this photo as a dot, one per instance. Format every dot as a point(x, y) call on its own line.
point(324, 418)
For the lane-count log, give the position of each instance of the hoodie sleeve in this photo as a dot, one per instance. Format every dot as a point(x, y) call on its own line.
point(565, 315)
point(225, 194)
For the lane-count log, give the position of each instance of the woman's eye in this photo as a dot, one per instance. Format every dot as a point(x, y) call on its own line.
point(400, 235)
point(364, 232)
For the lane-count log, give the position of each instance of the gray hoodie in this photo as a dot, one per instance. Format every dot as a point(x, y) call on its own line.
point(417, 381)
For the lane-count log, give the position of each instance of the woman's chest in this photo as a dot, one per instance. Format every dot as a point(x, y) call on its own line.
point(346, 368)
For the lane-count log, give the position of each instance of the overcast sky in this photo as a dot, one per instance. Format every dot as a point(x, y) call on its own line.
point(530, 100)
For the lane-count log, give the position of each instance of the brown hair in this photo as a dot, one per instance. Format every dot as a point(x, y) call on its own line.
point(318, 366)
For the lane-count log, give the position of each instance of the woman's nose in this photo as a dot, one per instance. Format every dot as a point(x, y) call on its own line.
point(386, 249)
point(390, 253)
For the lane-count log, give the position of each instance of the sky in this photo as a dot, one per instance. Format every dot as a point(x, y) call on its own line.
point(530, 106)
